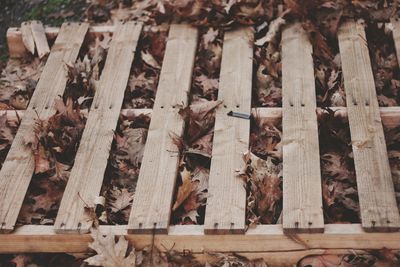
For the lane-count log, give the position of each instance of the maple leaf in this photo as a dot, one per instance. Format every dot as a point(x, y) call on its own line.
point(109, 252)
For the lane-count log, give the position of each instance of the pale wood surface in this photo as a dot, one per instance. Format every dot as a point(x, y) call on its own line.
point(396, 36)
point(226, 205)
point(87, 174)
point(19, 165)
point(266, 238)
point(27, 37)
point(302, 193)
point(374, 181)
point(390, 115)
point(39, 35)
point(152, 200)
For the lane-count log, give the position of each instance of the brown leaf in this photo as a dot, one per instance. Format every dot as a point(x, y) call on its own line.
point(109, 252)
point(184, 191)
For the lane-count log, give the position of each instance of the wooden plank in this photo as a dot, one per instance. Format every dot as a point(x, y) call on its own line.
point(226, 206)
point(263, 238)
point(302, 196)
point(152, 200)
point(27, 37)
point(378, 206)
point(19, 164)
point(87, 174)
point(39, 35)
point(390, 115)
point(396, 36)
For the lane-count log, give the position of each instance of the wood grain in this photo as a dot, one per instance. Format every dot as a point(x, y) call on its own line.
point(302, 193)
point(396, 37)
point(374, 181)
point(19, 165)
point(152, 200)
point(226, 206)
point(39, 35)
point(27, 37)
point(263, 238)
point(87, 174)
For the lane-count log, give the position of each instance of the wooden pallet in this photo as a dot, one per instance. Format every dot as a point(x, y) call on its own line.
point(303, 231)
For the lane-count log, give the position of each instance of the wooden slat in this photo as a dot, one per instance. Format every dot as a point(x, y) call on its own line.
point(152, 200)
point(19, 164)
point(39, 35)
point(226, 206)
point(374, 181)
point(27, 37)
point(302, 196)
point(396, 36)
point(265, 238)
point(87, 174)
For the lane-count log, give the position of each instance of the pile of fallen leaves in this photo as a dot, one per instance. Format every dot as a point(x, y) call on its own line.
point(123, 168)
point(55, 140)
point(262, 173)
point(196, 144)
point(267, 66)
point(146, 68)
point(339, 186)
point(384, 64)
point(18, 81)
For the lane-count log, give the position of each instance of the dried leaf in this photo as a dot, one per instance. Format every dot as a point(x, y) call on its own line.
point(109, 252)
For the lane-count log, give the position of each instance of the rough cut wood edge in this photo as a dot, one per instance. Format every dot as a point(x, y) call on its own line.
point(27, 37)
point(151, 206)
point(263, 238)
point(39, 35)
point(86, 178)
point(302, 190)
point(226, 205)
point(19, 165)
point(376, 193)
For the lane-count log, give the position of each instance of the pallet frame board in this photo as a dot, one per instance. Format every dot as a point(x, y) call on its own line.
point(265, 241)
point(86, 178)
point(226, 206)
point(302, 190)
point(376, 193)
point(17, 170)
point(270, 242)
point(159, 168)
